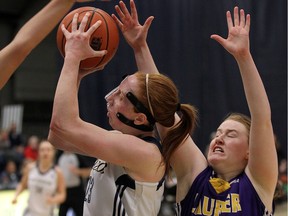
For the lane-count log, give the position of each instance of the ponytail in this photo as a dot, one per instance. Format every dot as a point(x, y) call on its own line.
point(179, 132)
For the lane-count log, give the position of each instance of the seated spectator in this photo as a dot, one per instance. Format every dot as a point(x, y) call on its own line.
point(4, 140)
point(9, 178)
point(16, 142)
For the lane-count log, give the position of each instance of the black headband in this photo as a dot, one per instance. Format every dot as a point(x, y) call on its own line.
point(130, 123)
point(140, 107)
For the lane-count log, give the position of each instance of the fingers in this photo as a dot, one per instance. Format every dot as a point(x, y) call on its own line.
point(118, 22)
point(236, 16)
point(119, 12)
point(93, 27)
point(124, 13)
point(218, 38)
point(64, 30)
point(124, 9)
point(148, 22)
point(84, 22)
point(134, 13)
point(75, 21)
point(229, 20)
point(241, 20)
point(247, 25)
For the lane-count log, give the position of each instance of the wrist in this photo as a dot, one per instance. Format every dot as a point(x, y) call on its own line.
point(72, 58)
point(140, 48)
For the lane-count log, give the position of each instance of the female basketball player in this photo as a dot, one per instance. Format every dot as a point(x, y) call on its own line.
point(30, 35)
point(240, 174)
point(127, 177)
point(45, 183)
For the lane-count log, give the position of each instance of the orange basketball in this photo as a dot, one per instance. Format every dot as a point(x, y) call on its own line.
point(106, 37)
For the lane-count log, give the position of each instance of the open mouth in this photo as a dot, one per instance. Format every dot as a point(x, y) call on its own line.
point(218, 149)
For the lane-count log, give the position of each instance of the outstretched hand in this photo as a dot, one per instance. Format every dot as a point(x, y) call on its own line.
point(237, 42)
point(134, 33)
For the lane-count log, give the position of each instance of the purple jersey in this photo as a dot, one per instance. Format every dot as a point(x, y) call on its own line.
point(240, 199)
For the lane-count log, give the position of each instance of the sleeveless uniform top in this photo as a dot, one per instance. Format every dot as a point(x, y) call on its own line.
point(240, 199)
point(41, 185)
point(65, 161)
point(111, 192)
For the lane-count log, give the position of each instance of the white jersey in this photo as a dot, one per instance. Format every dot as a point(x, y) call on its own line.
point(111, 192)
point(40, 186)
point(66, 161)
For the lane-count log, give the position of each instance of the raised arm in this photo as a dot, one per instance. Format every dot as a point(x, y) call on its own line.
point(262, 164)
point(136, 35)
point(30, 35)
point(187, 161)
point(93, 141)
point(68, 84)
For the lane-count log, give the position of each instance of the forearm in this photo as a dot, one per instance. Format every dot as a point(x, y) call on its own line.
point(65, 108)
point(58, 198)
point(40, 25)
point(30, 35)
point(254, 89)
point(144, 59)
point(18, 191)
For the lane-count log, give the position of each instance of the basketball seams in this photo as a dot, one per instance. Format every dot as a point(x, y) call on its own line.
point(107, 34)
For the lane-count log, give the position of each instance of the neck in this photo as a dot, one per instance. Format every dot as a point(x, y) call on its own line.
point(227, 176)
point(45, 165)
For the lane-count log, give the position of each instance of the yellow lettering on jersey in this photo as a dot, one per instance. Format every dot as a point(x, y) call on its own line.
point(210, 206)
point(235, 202)
point(206, 204)
point(197, 211)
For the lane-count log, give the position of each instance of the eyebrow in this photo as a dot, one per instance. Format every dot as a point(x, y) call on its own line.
point(229, 130)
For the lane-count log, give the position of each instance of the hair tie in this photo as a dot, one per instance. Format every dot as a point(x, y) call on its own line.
point(178, 107)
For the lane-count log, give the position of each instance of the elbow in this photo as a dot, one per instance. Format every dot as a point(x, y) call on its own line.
point(56, 134)
point(55, 127)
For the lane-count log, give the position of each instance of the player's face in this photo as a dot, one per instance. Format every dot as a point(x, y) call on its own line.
point(117, 102)
point(46, 151)
point(229, 149)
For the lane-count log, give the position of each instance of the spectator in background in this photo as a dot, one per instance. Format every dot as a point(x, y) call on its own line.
point(16, 139)
point(31, 150)
point(4, 140)
point(74, 170)
point(9, 178)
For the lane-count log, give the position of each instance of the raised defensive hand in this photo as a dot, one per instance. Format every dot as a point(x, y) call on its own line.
point(134, 33)
point(237, 42)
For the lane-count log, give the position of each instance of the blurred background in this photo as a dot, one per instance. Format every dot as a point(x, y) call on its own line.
point(179, 38)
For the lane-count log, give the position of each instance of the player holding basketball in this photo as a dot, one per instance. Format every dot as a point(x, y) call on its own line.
point(127, 178)
point(30, 35)
point(240, 175)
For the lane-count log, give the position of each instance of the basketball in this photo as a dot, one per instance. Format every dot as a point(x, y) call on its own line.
point(105, 37)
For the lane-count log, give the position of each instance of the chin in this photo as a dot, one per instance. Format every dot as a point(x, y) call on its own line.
point(213, 160)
